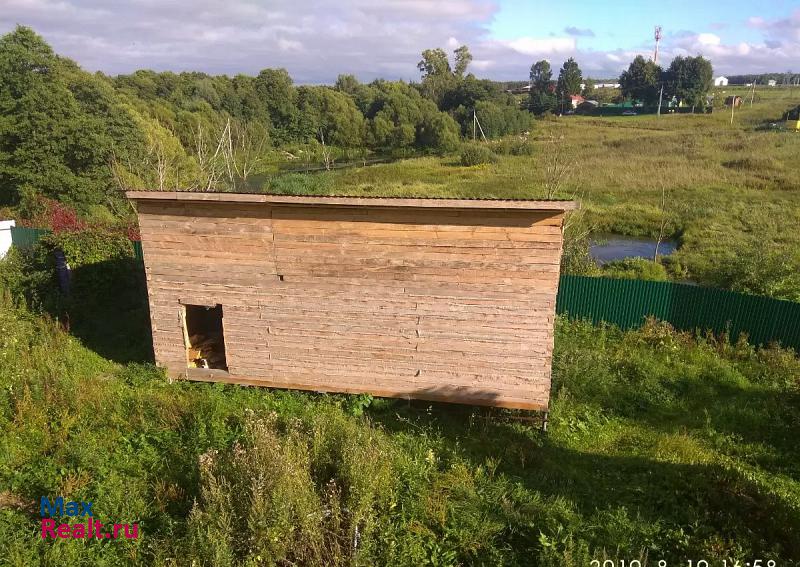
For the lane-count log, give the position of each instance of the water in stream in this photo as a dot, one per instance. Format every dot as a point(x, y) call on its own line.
point(608, 247)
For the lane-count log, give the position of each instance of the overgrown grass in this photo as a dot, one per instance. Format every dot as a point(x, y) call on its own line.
point(660, 446)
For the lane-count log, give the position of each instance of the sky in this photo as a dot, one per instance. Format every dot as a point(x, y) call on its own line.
point(318, 40)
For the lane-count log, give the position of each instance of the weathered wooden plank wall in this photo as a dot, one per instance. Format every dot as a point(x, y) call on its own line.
point(438, 303)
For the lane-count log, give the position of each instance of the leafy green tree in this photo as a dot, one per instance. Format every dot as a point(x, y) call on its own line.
point(569, 82)
point(541, 98)
point(332, 116)
point(363, 95)
point(437, 131)
point(59, 126)
point(690, 80)
point(541, 75)
point(542, 102)
point(496, 119)
point(249, 107)
point(347, 84)
point(275, 89)
point(164, 164)
point(401, 118)
point(394, 115)
point(437, 75)
point(641, 81)
point(471, 90)
point(462, 59)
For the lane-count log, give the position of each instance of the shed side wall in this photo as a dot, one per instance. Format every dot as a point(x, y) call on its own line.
point(427, 303)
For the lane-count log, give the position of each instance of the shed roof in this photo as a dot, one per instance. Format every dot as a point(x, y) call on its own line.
point(341, 201)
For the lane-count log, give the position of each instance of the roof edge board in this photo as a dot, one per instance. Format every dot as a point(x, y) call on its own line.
point(391, 202)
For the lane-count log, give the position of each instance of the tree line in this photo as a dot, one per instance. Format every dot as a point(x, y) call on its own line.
point(784, 79)
point(687, 80)
point(78, 137)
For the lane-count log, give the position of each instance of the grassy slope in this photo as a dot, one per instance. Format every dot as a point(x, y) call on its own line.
point(728, 186)
point(659, 446)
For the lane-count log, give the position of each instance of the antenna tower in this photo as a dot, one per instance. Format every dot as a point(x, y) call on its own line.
point(658, 40)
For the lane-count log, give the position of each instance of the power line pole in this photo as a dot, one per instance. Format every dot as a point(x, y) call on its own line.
point(474, 122)
point(753, 93)
point(660, 95)
point(478, 122)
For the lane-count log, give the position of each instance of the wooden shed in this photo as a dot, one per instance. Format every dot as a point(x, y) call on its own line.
point(436, 299)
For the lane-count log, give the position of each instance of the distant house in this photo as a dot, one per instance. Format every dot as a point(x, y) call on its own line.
point(576, 100)
point(772, 82)
point(520, 90)
point(721, 81)
point(606, 85)
point(735, 101)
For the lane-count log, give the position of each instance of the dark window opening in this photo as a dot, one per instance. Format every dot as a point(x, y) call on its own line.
point(206, 343)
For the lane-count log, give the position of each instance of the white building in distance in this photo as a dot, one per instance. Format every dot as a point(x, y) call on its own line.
point(721, 81)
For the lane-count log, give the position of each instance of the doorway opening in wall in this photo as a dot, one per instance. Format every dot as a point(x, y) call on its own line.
point(205, 342)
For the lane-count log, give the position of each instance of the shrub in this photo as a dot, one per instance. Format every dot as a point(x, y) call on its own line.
point(635, 269)
point(474, 154)
point(513, 147)
point(107, 302)
point(756, 269)
point(576, 258)
point(522, 148)
point(293, 493)
point(90, 246)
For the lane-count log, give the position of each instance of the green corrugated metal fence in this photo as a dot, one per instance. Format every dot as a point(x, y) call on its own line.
point(626, 303)
point(137, 250)
point(22, 237)
point(26, 237)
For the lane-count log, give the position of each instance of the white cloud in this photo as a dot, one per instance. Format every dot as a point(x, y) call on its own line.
point(708, 39)
point(542, 46)
point(289, 45)
point(318, 39)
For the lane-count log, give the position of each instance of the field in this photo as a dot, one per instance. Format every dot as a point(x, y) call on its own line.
point(732, 192)
point(660, 446)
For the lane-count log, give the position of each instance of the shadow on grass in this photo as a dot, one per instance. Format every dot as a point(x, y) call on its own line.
point(757, 422)
point(108, 310)
point(702, 500)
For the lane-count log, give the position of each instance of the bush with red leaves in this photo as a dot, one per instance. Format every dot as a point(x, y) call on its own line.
point(133, 232)
point(63, 218)
point(41, 212)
